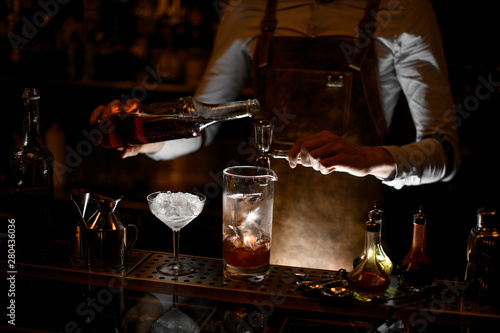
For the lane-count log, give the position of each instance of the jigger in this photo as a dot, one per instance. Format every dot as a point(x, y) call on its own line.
point(264, 138)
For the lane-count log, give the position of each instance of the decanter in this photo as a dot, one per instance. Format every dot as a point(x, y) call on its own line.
point(376, 215)
point(368, 279)
point(415, 270)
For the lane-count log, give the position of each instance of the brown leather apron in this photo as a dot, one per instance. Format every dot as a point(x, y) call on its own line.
point(306, 85)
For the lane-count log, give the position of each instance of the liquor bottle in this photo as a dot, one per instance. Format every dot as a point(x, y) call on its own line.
point(376, 215)
point(32, 170)
point(415, 270)
point(181, 118)
point(482, 277)
point(368, 279)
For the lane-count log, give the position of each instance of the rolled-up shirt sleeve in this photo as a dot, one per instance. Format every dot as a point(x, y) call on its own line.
point(419, 69)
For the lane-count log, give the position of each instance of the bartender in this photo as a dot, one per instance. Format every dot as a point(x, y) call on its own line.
point(329, 75)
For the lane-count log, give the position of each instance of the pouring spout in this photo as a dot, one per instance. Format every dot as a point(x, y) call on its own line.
point(265, 174)
point(81, 198)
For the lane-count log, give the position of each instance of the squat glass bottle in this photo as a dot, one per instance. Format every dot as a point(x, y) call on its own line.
point(375, 215)
point(368, 279)
point(181, 118)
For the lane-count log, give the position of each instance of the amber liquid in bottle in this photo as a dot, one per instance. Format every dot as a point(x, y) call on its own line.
point(134, 129)
point(371, 284)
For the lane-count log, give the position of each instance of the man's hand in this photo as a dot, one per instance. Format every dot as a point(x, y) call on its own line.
point(114, 108)
point(326, 152)
point(134, 150)
point(117, 108)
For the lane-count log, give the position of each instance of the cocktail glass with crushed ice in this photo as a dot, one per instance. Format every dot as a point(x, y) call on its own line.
point(247, 222)
point(176, 210)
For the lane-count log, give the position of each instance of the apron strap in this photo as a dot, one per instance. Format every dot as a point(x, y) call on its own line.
point(366, 28)
point(267, 27)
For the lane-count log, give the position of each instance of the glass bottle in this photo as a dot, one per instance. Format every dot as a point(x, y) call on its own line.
point(176, 119)
point(482, 276)
point(415, 270)
point(368, 279)
point(376, 215)
point(32, 171)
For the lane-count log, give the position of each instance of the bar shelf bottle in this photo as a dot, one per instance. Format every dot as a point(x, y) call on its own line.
point(32, 167)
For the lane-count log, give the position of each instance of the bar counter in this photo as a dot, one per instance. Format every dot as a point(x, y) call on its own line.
point(65, 296)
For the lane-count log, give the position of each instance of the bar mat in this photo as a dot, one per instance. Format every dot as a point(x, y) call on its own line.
point(209, 274)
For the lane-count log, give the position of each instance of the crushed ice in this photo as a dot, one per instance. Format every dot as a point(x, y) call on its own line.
point(176, 205)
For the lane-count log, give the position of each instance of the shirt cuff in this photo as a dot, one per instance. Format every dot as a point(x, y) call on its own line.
point(417, 163)
point(176, 148)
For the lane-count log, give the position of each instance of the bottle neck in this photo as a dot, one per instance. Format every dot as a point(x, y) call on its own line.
point(371, 243)
point(487, 219)
point(418, 243)
point(379, 223)
point(31, 121)
point(186, 108)
point(227, 111)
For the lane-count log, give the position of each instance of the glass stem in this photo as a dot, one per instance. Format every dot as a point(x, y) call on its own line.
point(176, 246)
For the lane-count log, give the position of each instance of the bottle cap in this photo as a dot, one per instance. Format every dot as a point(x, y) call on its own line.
point(420, 218)
point(487, 218)
point(30, 93)
point(375, 214)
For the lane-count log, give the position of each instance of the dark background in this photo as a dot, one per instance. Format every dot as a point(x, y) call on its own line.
point(74, 80)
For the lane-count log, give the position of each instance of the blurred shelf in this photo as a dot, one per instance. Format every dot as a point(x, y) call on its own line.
point(118, 85)
point(173, 88)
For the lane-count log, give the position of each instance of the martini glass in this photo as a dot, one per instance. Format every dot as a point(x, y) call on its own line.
point(176, 210)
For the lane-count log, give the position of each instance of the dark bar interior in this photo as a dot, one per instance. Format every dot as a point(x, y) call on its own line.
point(82, 54)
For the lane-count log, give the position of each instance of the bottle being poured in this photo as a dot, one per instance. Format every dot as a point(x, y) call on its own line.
point(181, 118)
